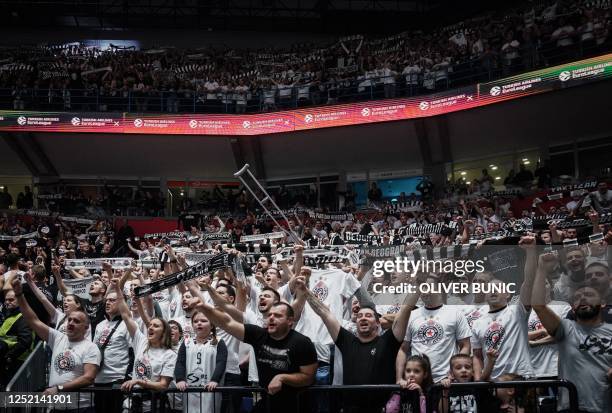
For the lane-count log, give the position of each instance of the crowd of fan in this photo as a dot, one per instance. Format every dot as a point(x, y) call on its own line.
point(204, 80)
point(292, 323)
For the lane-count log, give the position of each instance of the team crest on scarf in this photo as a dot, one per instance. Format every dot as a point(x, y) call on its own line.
point(64, 362)
point(430, 332)
point(494, 336)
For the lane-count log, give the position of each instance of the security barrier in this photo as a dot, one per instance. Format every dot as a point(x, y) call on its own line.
point(528, 396)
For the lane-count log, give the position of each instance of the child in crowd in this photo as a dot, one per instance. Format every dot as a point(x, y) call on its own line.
point(201, 362)
point(459, 400)
point(508, 399)
point(417, 377)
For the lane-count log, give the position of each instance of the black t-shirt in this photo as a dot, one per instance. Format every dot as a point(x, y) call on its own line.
point(95, 311)
point(284, 356)
point(368, 363)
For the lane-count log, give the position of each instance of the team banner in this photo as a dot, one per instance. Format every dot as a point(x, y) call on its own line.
point(545, 80)
point(96, 263)
point(173, 235)
point(215, 263)
point(261, 237)
point(77, 220)
point(16, 238)
point(332, 216)
point(216, 236)
point(412, 206)
point(382, 251)
point(426, 229)
point(562, 221)
point(79, 286)
point(50, 196)
point(354, 237)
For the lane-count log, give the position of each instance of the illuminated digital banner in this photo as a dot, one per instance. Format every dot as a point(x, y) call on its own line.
point(545, 80)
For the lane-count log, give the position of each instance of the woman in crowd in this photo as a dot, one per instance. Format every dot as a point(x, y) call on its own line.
point(154, 359)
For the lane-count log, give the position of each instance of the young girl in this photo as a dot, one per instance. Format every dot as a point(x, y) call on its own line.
point(201, 362)
point(154, 359)
point(417, 377)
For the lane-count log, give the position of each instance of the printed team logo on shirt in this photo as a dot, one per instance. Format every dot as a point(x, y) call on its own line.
point(172, 306)
point(473, 316)
point(158, 296)
point(143, 369)
point(197, 377)
point(600, 346)
point(430, 332)
point(64, 362)
point(494, 336)
point(188, 333)
point(535, 324)
point(103, 337)
point(321, 291)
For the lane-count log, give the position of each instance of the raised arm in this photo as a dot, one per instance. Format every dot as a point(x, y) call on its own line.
point(218, 318)
point(49, 307)
point(531, 262)
point(400, 324)
point(223, 305)
point(298, 261)
point(40, 328)
point(549, 319)
point(332, 324)
point(64, 290)
point(123, 309)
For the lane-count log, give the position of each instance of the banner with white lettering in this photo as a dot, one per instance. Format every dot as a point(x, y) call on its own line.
point(96, 263)
point(260, 237)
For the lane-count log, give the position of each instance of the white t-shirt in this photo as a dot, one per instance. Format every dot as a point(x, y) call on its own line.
point(68, 359)
point(333, 287)
point(545, 359)
point(436, 333)
point(188, 331)
point(233, 351)
point(60, 321)
point(506, 331)
point(150, 364)
point(116, 355)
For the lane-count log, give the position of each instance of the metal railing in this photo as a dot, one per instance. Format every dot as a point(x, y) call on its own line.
point(344, 90)
point(527, 394)
point(31, 376)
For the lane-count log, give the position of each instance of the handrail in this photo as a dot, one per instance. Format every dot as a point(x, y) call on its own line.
point(24, 366)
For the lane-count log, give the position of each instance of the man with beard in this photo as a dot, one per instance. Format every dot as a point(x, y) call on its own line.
point(573, 278)
point(585, 354)
point(368, 358)
point(286, 359)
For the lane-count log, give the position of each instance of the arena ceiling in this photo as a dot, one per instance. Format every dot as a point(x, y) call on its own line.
point(337, 16)
point(580, 113)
